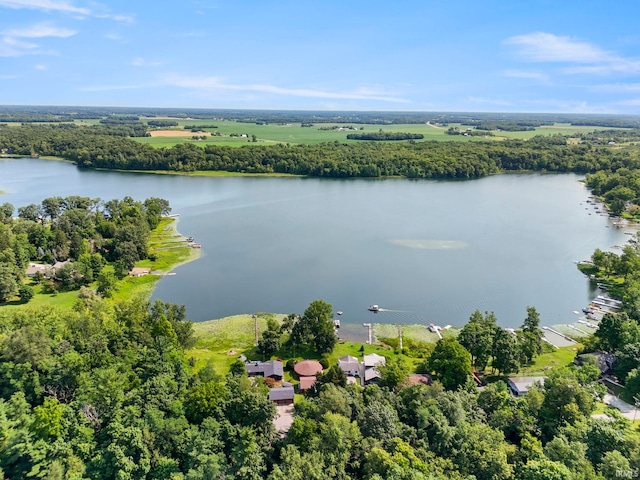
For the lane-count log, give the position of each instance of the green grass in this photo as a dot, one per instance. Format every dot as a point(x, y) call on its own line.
point(62, 300)
point(221, 341)
point(417, 332)
point(560, 357)
point(293, 133)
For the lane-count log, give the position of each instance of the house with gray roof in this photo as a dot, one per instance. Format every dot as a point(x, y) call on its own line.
point(349, 365)
point(271, 369)
point(521, 385)
point(282, 395)
point(368, 371)
point(604, 361)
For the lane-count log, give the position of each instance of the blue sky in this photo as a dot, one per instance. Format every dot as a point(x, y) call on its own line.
point(428, 55)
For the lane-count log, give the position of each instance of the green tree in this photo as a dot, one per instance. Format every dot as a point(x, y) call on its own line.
point(106, 283)
point(8, 284)
point(545, 470)
point(450, 362)
point(394, 373)
point(506, 355)
point(270, 341)
point(477, 337)
point(26, 293)
point(531, 340)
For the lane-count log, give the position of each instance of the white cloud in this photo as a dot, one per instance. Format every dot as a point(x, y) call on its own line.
point(40, 67)
point(97, 10)
point(590, 58)
point(59, 5)
point(112, 36)
point(218, 84)
point(11, 47)
point(546, 47)
point(541, 77)
point(617, 87)
point(141, 62)
point(632, 102)
point(117, 18)
point(40, 30)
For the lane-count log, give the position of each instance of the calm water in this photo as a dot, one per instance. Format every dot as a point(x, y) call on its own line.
point(433, 251)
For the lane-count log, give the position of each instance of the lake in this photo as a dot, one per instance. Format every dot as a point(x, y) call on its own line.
point(425, 251)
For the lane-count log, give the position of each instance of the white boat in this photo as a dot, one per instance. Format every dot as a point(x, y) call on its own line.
point(339, 312)
point(374, 308)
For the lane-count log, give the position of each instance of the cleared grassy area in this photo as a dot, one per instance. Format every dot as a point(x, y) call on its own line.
point(417, 332)
point(560, 357)
point(221, 341)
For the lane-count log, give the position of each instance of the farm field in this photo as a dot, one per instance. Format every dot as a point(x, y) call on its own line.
point(235, 134)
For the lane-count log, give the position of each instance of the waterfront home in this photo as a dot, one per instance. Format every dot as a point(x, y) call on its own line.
point(521, 385)
point(270, 369)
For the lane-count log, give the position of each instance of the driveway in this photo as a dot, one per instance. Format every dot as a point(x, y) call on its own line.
point(283, 418)
point(627, 411)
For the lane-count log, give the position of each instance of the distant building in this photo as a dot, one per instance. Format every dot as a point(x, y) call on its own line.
point(139, 271)
point(521, 385)
point(604, 361)
point(35, 268)
point(308, 368)
point(282, 395)
point(349, 365)
point(306, 383)
point(368, 371)
point(271, 369)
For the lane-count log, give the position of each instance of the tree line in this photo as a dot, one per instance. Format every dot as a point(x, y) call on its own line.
point(382, 135)
point(92, 147)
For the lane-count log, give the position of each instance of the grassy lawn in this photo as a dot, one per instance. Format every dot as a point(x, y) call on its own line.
point(560, 357)
point(417, 332)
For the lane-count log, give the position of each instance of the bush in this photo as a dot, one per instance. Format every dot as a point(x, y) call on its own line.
point(25, 292)
point(290, 364)
point(324, 361)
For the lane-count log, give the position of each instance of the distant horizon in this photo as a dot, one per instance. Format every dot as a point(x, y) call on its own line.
point(493, 56)
point(306, 110)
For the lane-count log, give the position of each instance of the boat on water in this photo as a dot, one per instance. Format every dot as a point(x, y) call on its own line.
point(339, 312)
point(374, 308)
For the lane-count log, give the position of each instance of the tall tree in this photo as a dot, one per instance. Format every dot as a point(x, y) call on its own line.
point(450, 362)
point(531, 339)
point(477, 337)
point(506, 355)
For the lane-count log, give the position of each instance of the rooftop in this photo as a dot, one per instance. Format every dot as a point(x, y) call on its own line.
point(308, 368)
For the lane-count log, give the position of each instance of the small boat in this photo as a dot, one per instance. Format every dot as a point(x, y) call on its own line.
point(189, 239)
point(374, 308)
point(339, 312)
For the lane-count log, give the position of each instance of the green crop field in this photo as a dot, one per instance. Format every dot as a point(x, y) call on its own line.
point(236, 134)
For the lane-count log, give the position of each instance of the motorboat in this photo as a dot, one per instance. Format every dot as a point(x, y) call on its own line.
point(374, 308)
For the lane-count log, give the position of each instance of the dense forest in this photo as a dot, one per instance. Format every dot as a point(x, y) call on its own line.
point(109, 392)
point(95, 148)
point(381, 135)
